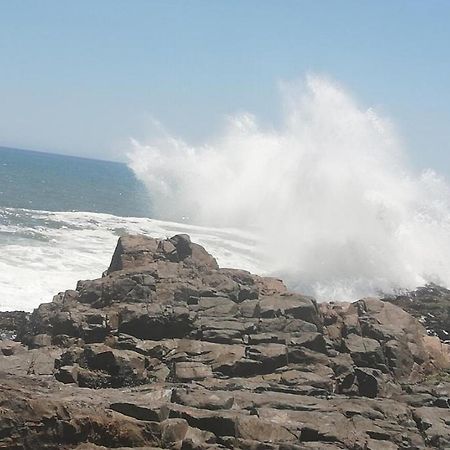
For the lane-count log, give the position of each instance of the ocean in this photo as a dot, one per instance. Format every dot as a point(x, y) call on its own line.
point(327, 201)
point(61, 216)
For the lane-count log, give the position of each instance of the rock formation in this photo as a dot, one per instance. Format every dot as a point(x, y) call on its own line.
point(430, 305)
point(167, 350)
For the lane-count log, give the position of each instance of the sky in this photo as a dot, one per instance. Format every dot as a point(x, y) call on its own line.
point(83, 77)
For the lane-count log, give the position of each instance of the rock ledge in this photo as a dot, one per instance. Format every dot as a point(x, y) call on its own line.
point(167, 350)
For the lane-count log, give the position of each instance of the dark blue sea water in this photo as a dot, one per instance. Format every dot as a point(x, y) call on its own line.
point(44, 181)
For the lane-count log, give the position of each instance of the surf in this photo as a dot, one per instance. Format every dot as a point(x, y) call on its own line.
point(45, 252)
point(329, 194)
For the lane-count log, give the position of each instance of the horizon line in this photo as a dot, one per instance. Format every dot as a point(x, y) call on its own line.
point(51, 153)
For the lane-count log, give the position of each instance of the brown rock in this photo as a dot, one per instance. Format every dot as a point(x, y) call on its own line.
point(169, 351)
point(187, 371)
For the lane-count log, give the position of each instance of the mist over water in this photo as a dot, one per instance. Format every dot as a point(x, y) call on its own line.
point(329, 195)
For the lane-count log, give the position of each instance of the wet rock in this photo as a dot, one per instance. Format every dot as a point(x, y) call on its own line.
point(430, 305)
point(13, 324)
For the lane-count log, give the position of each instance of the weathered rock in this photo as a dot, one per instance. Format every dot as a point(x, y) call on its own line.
point(154, 322)
point(203, 399)
point(104, 366)
point(433, 423)
point(290, 305)
point(186, 371)
point(8, 348)
point(167, 350)
point(377, 334)
point(365, 352)
point(430, 305)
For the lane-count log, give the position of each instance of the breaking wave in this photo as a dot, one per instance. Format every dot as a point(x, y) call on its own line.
point(44, 252)
point(335, 207)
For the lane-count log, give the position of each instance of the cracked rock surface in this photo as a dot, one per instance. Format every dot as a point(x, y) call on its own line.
point(169, 351)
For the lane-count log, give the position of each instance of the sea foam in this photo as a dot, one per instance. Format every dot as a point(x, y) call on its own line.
point(46, 252)
point(329, 195)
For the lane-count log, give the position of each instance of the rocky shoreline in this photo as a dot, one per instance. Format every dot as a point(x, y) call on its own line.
point(167, 350)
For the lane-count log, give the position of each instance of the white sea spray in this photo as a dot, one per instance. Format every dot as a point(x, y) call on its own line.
point(329, 194)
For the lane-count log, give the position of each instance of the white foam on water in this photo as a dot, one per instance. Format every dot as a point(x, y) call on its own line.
point(338, 211)
point(326, 201)
point(59, 248)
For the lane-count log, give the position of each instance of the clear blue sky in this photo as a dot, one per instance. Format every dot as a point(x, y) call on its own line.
point(81, 77)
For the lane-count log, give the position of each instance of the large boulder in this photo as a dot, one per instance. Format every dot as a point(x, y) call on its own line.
point(380, 335)
point(141, 251)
